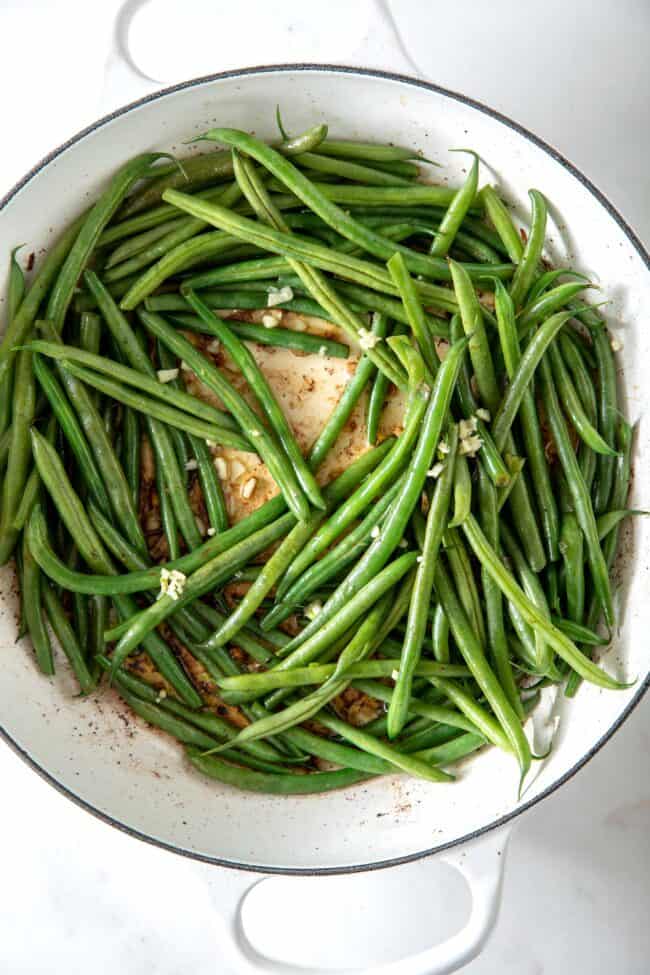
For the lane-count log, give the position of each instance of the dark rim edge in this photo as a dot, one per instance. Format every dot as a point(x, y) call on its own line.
point(643, 254)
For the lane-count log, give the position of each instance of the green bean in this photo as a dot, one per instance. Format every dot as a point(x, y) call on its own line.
point(502, 223)
point(247, 418)
point(271, 572)
point(215, 726)
point(346, 265)
point(21, 323)
point(15, 295)
point(472, 652)
point(375, 152)
point(371, 277)
point(67, 638)
point(471, 315)
point(374, 196)
point(377, 397)
point(547, 304)
point(80, 608)
point(168, 521)
point(462, 492)
point(440, 635)
point(562, 645)
point(72, 430)
point(284, 338)
point(213, 573)
point(90, 335)
point(85, 537)
point(23, 407)
point(545, 280)
point(149, 579)
point(421, 598)
point(159, 410)
point(343, 410)
point(260, 387)
point(89, 233)
point(367, 743)
point(479, 718)
point(330, 564)
point(339, 622)
point(186, 731)
point(5, 440)
point(461, 570)
point(573, 406)
point(515, 466)
point(611, 519)
point(579, 493)
point(213, 497)
point(137, 358)
point(621, 485)
point(278, 563)
point(490, 456)
point(414, 311)
point(196, 171)
point(452, 751)
point(527, 266)
point(98, 607)
point(311, 278)
point(193, 172)
point(263, 681)
point(529, 422)
point(455, 213)
point(32, 489)
point(382, 548)
point(132, 377)
point(208, 245)
point(497, 640)
point(31, 589)
point(184, 230)
point(578, 632)
point(580, 375)
point(523, 375)
point(333, 751)
point(287, 783)
point(106, 460)
point(132, 454)
point(149, 219)
point(379, 481)
point(533, 588)
point(359, 172)
point(607, 410)
point(68, 503)
point(138, 242)
point(370, 300)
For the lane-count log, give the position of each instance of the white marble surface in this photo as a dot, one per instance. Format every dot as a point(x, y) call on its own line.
point(77, 896)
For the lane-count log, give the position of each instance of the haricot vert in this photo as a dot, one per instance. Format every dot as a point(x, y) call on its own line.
point(441, 541)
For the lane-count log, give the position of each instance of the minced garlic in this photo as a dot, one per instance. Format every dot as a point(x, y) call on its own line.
point(172, 583)
point(167, 375)
point(248, 488)
point(278, 296)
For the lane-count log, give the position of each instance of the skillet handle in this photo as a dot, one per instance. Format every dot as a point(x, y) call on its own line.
point(240, 896)
point(380, 47)
point(123, 79)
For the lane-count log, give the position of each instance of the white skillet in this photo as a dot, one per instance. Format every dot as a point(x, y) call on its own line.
point(140, 783)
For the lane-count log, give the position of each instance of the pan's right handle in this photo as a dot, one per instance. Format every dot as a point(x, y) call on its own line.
point(481, 863)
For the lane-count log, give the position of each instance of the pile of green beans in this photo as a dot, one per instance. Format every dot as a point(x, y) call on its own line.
point(414, 606)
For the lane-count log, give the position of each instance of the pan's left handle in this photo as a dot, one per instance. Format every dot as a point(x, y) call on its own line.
point(239, 906)
point(124, 81)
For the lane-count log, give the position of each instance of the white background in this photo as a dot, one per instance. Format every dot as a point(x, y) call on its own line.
point(76, 896)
